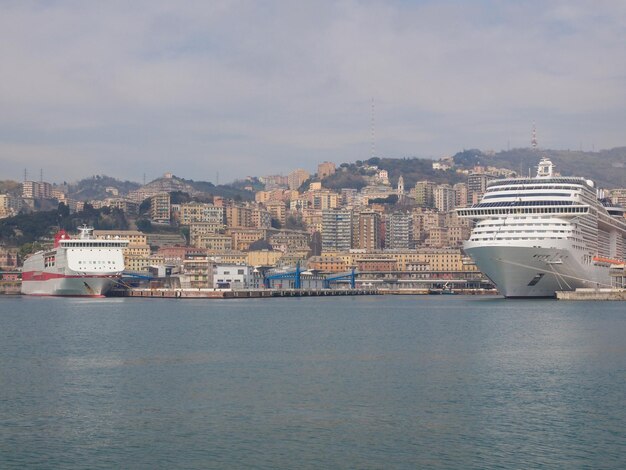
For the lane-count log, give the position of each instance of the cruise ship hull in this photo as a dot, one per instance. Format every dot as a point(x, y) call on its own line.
point(530, 271)
point(76, 286)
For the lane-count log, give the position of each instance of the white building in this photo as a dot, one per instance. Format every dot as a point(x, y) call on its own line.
point(232, 276)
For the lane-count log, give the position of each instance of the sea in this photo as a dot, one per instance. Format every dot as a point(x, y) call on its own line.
point(374, 382)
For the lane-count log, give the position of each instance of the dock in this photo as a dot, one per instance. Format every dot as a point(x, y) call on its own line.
point(236, 294)
point(592, 294)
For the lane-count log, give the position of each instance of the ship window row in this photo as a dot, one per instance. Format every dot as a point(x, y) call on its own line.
point(531, 187)
point(522, 203)
point(94, 245)
point(96, 262)
point(533, 181)
point(523, 210)
point(514, 194)
point(480, 239)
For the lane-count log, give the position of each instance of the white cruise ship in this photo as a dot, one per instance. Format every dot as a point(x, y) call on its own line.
point(536, 236)
point(83, 266)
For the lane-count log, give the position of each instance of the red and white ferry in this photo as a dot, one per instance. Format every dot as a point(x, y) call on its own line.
point(83, 266)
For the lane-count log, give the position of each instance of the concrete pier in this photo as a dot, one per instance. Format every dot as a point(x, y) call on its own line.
point(592, 294)
point(236, 294)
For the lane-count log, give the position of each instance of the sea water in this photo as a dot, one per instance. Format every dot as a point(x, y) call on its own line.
point(339, 382)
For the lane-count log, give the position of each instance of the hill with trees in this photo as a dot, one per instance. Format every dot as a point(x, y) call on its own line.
point(41, 226)
point(95, 187)
point(606, 167)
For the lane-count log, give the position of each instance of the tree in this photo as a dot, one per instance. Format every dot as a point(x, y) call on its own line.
point(144, 225)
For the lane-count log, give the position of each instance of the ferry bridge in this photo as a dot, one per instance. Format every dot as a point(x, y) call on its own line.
point(296, 276)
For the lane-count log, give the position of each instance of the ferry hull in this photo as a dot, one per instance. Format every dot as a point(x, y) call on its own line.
point(82, 286)
point(534, 271)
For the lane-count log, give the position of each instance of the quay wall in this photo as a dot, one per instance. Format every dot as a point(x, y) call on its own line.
point(592, 294)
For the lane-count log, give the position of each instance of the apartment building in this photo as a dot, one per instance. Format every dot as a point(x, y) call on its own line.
point(198, 212)
point(160, 206)
point(336, 230)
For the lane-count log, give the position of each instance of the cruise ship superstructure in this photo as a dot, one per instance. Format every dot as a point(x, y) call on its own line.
point(536, 236)
point(83, 266)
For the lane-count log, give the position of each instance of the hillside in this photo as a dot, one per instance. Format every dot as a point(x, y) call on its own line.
point(95, 187)
point(606, 167)
point(351, 175)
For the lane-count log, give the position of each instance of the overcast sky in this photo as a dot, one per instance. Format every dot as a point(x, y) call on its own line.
point(124, 88)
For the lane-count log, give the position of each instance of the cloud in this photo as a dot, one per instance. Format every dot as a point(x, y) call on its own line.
point(260, 87)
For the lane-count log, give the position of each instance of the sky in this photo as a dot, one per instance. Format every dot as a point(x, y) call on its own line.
point(243, 88)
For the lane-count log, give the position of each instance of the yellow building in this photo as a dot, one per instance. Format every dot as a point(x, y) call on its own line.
point(214, 242)
point(263, 258)
point(242, 238)
point(229, 257)
point(278, 210)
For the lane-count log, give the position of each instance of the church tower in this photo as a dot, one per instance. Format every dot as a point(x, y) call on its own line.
point(400, 186)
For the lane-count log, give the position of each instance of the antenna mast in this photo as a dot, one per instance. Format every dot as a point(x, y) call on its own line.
point(373, 129)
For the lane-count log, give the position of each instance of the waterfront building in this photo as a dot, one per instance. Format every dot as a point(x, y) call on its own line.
point(327, 264)
point(232, 276)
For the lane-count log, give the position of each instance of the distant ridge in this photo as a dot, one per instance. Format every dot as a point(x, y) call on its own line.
point(607, 168)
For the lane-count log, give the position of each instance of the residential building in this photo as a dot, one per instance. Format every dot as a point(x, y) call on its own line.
point(297, 177)
point(213, 242)
point(399, 231)
point(195, 212)
point(369, 231)
point(160, 208)
point(336, 230)
point(36, 190)
point(476, 186)
point(278, 211)
point(424, 193)
point(9, 205)
point(445, 198)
